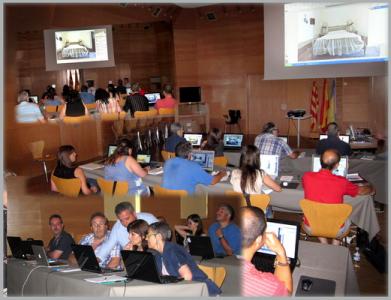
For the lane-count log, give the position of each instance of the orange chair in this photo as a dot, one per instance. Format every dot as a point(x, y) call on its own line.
point(67, 187)
point(113, 188)
point(220, 161)
point(261, 201)
point(145, 114)
point(76, 120)
point(167, 155)
point(90, 106)
point(160, 191)
point(112, 116)
point(167, 111)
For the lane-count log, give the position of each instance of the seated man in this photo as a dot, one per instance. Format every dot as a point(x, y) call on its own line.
point(325, 187)
point(254, 282)
point(176, 131)
point(180, 173)
point(333, 142)
point(99, 225)
point(27, 112)
point(168, 101)
point(60, 245)
point(224, 233)
point(268, 142)
point(136, 101)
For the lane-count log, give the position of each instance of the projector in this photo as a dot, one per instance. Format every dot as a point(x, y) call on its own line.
point(297, 113)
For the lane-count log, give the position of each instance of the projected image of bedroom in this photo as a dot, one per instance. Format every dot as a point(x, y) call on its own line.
point(330, 33)
point(81, 46)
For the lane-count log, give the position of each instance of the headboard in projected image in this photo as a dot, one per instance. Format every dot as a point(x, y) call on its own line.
point(326, 29)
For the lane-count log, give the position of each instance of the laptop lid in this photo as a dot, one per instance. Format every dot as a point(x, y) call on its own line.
point(233, 141)
point(204, 158)
point(284, 138)
point(110, 149)
point(40, 255)
point(270, 164)
point(343, 137)
point(143, 158)
point(128, 91)
point(342, 169)
point(34, 98)
point(140, 265)
point(86, 258)
point(15, 243)
point(200, 246)
point(288, 233)
point(152, 97)
point(193, 138)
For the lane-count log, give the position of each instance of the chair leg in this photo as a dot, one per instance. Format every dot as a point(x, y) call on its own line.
point(45, 170)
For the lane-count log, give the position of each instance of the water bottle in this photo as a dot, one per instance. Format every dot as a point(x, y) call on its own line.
point(356, 258)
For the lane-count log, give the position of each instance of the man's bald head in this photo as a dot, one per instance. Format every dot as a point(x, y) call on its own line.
point(253, 224)
point(329, 159)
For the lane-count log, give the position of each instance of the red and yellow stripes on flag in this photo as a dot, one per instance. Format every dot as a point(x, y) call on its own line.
point(314, 107)
point(332, 103)
point(324, 107)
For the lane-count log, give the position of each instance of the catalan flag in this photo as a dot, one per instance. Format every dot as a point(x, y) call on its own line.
point(332, 103)
point(314, 107)
point(324, 107)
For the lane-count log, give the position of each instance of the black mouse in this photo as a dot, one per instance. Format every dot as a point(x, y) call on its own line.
point(306, 285)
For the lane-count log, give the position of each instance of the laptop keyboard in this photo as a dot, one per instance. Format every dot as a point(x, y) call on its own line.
point(169, 279)
point(108, 270)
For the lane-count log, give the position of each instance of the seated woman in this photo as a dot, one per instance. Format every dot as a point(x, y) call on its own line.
point(214, 142)
point(107, 102)
point(121, 166)
point(138, 230)
point(74, 106)
point(249, 178)
point(50, 98)
point(66, 157)
point(194, 226)
point(174, 259)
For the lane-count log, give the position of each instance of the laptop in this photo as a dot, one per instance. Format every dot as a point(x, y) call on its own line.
point(344, 138)
point(128, 91)
point(232, 141)
point(270, 164)
point(142, 266)
point(152, 97)
point(42, 259)
point(200, 246)
point(35, 99)
point(111, 149)
point(288, 233)
point(342, 169)
point(204, 158)
point(22, 249)
point(87, 260)
point(193, 138)
point(284, 138)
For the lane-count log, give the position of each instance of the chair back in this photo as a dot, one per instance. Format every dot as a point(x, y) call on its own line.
point(216, 274)
point(67, 187)
point(220, 161)
point(325, 219)
point(113, 188)
point(145, 114)
point(160, 191)
point(36, 149)
point(167, 155)
point(261, 200)
point(166, 111)
point(54, 108)
point(76, 120)
point(90, 106)
point(112, 116)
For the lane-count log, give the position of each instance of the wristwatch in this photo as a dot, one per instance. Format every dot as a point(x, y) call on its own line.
point(278, 263)
point(221, 237)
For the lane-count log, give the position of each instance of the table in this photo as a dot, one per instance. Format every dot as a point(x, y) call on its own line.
point(44, 281)
point(327, 262)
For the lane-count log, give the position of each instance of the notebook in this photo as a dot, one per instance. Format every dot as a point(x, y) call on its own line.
point(87, 260)
point(270, 163)
point(42, 259)
point(288, 233)
point(110, 149)
point(204, 158)
point(193, 138)
point(152, 98)
point(200, 246)
point(142, 266)
point(22, 249)
point(233, 141)
point(342, 169)
point(344, 138)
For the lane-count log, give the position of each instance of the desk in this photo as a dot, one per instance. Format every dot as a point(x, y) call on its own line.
point(327, 262)
point(43, 282)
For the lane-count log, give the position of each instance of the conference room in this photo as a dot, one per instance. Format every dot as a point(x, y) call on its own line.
point(167, 107)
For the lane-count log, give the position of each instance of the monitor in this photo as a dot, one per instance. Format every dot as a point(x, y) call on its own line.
point(204, 158)
point(143, 158)
point(344, 138)
point(342, 169)
point(35, 99)
point(270, 163)
point(189, 94)
point(128, 91)
point(152, 97)
point(233, 140)
point(193, 138)
point(284, 138)
point(111, 150)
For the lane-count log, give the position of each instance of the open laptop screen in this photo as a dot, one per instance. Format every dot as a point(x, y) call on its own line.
point(233, 140)
point(342, 169)
point(284, 138)
point(111, 150)
point(269, 163)
point(287, 233)
point(204, 159)
point(193, 138)
point(152, 97)
point(344, 138)
point(143, 158)
point(35, 99)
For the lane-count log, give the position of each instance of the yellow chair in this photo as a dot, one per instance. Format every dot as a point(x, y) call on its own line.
point(216, 274)
point(145, 114)
point(167, 155)
point(53, 108)
point(160, 191)
point(36, 149)
point(220, 161)
point(67, 187)
point(113, 188)
point(261, 200)
point(76, 120)
point(325, 219)
point(90, 106)
point(166, 111)
point(112, 116)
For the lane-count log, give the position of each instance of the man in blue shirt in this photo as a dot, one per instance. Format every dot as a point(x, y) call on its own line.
point(119, 233)
point(175, 138)
point(180, 173)
point(87, 97)
point(224, 234)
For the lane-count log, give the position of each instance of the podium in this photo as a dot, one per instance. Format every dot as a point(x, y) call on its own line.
point(298, 119)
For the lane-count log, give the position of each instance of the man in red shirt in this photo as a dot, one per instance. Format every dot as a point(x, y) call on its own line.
point(168, 101)
point(325, 187)
point(254, 282)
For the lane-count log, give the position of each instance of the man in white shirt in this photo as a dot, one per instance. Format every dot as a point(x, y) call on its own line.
point(27, 112)
point(119, 233)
